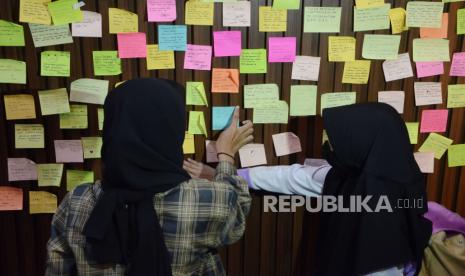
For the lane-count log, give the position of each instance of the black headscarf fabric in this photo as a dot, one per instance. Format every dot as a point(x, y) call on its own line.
point(143, 132)
point(371, 155)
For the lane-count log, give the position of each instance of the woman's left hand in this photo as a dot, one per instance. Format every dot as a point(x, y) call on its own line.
point(198, 169)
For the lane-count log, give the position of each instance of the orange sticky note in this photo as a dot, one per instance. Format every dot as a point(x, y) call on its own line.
point(19, 106)
point(436, 32)
point(225, 80)
point(11, 198)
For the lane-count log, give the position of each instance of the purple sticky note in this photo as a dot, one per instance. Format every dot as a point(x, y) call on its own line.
point(161, 10)
point(227, 43)
point(281, 49)
point(132, 45)
point(198, 57)
point(68, 151)
point(434, 120)
point(428, 69)
point(458, 65)
point(20, 169)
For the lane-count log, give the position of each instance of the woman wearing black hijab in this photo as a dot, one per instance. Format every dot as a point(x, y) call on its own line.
point(147, 217)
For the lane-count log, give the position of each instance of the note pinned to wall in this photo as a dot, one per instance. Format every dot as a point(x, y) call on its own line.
point(225, 80)
point(64, 12)
point(458, 65)
point(197, 123)
point(75, 178)
point(198, 57)
point(76, 118)
point(55, 63)
point(381, 46)
point(276, 112)
point(396, 69)
point(91, 147)
point(272, 20)
point(11, 34)
point(49, 174)
point(430, 49)
point(356, 72)
point(364, 4)
point(253, 61)
point(90, 26)
point(157, 59)
point(255, 94)
point(461, 21)
point(428, 69)
point(336, 99)
point(434, 120)
point(34, 11)
point(286, 143)
point(412, 129)
point(252, 155)
point(11, 198)
point(456, 155)
point(210, 151)
point(281, 49)
point(436, 32)
point(172, 37)
point(41, 202)
point(227, 43)
point(106, 63)
point(395, 99)
point(437, 144)
point(199, 13)
point(132, 45)
point(322, 19)
point(195, 93)
point(161, 10)
point(286, 4)
point(91, 91)
point(19, 106)
point(456, 96)
point(303, 100)
point(236, 14)
point(54, 101)
point(424, 14)
point(371, 18)
point(44, 35)
point(100, 118)
point(306, 68)
point(188, 146)
point(222, 117)
point(21, 169)
point(425, 161)
point(398, 16)
point(122, 21)
point(12, 71)
point(68, 151)
point(427, 93)
point(341, 48)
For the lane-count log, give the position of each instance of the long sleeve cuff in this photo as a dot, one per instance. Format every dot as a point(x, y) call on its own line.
point(244, 173)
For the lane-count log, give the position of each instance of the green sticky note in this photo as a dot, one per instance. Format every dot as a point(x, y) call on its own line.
point(322, 19)
point(286, 4)
point(412, 129)
point(253, 61)
point(276, 112)
point(430, 49)
point(101, 116)
point(75, 178)
point(456, 96)
point(336, 99)
point(424, 14)
point(55, 63)
point(372, 18)
point(12, 71)
point(106, 63)
point(254, 94)
point(456, 155)
point(195, 93)
point(11, 34)
point(380, 46)
point(91, 147)
point(461, 21)
point(437, 144)
point(197, 123)
point(64, 12)
point(75, 119)
point(49, 174)
point(303, 100)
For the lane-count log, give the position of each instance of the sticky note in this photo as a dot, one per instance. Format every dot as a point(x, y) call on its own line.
point(64, 12)
point(281, 49)
point(336, 99)
point(132, 45)
point(461, 21)
point(253, 61)
point(436, 32)
point(75, 178)
point(427, 93)
point(55, 63)
point(306, 68)
point(425, 161)
point(90, 26)
point(456, 96)
point(157, 59)
point(188, 146)
point(286, 143)
point(91, 147)
point(172, 37)
point(75, 119)
point(34, 11)
point(412, 129)
point(11, 198)
point(106, 63)
point(430, 49)
point(197, 123)
point(100, 118)
point(198, 57)
point(41, 202)
point(222, 117)
point(29, 136)
point(356, 71)
point(254, 94)
point(341, 48)
point(236, 14)
point(227, 43)
point(89, 91)
point(44, 35)
point(456, 155)
point(428, 69)
point(424, 14)
point(225, 80)
point(303, 100)
point(372, 18)
point(210, 151)
point(199, 13)
point(54, 101)
point(11, 34)
point(437, 144)
point(286, 4)
point(272, 20)
point(397, 16)
point(380, 46)
point(21, 169)
point(276, 112)
point(68, 151)
point(20, 106)
point(161, 10)
point(361, 4)
point(252, 155)
point(322, 19)
point(395, 99)
point(49, 174)
point(12, 71)
point(122, 21)
point(434, 120)
point(397, 69)
point(458, 65)
point(195, 93)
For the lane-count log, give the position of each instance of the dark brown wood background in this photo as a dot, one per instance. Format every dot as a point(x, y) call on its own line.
point(274, 244)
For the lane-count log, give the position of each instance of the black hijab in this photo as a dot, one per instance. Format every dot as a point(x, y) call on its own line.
point(143, 132)
point(371, 155)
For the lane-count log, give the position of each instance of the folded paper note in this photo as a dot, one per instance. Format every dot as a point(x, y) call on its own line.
point(90, 26)
point(195, 93)
point(458, 65)
point(397, 16)
point(91, 147)
point(210, 151)
point(122, 21)
point(225, 80)
point(197, 123)
point(286, 143)
point(188, 146)
point(436, 32)
point(89, 91)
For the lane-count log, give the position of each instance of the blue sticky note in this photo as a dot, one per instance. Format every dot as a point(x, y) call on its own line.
point(222, 116)
point(172, 37)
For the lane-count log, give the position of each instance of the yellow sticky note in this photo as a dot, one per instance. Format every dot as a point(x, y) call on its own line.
point(272, 20)
point(197, 123)
point(456, 96)
point(461, 21)
point(122, 21)
point(188, 147)
point(49, 174)
point(19, 106)
point(286, 4)
point(101, 116)
point(430, 49)
point(412, 128)
point(29, 136)
point(12, 71)
point(34, 11)
point(75, 178)
point(276, 112)
point(397, 17)
point(303, 100)
point(55, 63)
point(106, 63)
point(336, 99)
point(54, 101)
point(41, 202)
point(199, 13)
point(436, 143)
point(195, 93)
point(356, 72)
point(456, 155)
point(11, 34)
point(64, 12)
point(91, 147)
point(341, 48)
point(157, 59)
point(361, 4)
point(75, 119)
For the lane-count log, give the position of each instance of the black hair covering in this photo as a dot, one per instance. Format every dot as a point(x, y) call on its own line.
point(371, 155)
point(143, 132)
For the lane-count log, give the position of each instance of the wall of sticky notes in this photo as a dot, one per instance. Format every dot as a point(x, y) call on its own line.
point(283, 61)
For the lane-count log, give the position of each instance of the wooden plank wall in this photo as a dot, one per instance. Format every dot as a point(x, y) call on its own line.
point(274, 244)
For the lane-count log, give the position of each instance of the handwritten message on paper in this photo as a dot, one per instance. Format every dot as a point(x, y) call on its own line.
point(424, 14)
point(12, 71)
point(29, 136)
point(436, 32)
point(253, 61)
point(49, 174)
point(68, 151)
point(356, 71)
point(44, 35)
point(381, 46)
point(434, 120)
point(157, 59)
point(172, 37)
point(456, 96)
point(456, 155)
point(428, 69)
point(395, 99)
point(21, 169)
point(254, 94)
point(54, 101)
point(122, 21)
point(336, 99)
point(19, 106)
point(427, 93)
point(64, 12)
point(252, 155)
point(90, 26)
point(197, 123)
point(11, 198)
point(55, 63)
point(236, 14)
point(306, 68)
point(41, 202)
point(272, 20)
point(75, 178)
point(106, 63)
point(276, 112)
point(75, 119)
point(91, 147)
point(303, 100)
point(371, 19)
point(199, 13)
point(322, 19)
point(286, 143)
point(281, 49)
point(161, 10)
point(437, 144)
point(11, 34)
point(89, 91)
point(341, 48)
point(396, 69)
point(430, 49)
point(198, 57)
point(397, 16)
point(458, 65)
point(34, 11)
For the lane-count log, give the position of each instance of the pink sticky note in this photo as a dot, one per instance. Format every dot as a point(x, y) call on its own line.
point(428, 69)
point(458, 65)
point(161, 10)
point(434, 120)
point(252, 155)
point(210, 148)
point(425, 161)
point(20, 169)
point(132, 45)
point(68, 151)
point(227, 43)
point(286, 143)
point(281, 49)
point(198, 57)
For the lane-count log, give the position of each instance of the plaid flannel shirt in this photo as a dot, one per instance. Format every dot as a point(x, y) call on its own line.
point(197, 217)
